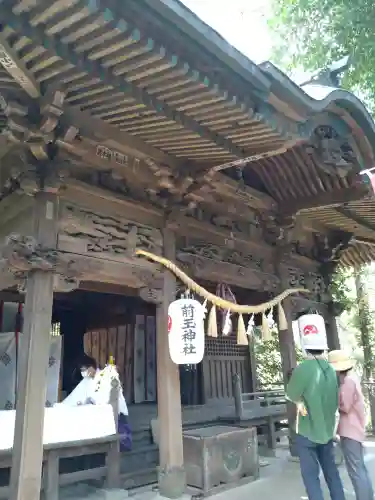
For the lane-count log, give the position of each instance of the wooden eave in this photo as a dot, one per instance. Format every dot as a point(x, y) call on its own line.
point(150, 80)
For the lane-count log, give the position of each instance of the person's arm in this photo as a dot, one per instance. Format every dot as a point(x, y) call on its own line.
point(297, 384)
point(347, 395)
point(78, 395)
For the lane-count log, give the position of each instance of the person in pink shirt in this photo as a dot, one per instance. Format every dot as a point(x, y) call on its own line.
point(351, 425)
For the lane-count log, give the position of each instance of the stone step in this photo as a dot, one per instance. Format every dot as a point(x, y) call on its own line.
point(139, 478)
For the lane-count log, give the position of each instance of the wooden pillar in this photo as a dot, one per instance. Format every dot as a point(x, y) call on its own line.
point(172, 480)
point(288, 363)
point(333, 338)
point(253, 364)
point(287, 346)
point(28, 437)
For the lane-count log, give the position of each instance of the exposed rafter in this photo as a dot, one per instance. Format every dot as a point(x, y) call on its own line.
point(17, 69)
point(355, 218)
point(22, 24)
point(332, 198)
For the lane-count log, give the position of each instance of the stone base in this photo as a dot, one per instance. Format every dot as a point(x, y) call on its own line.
point(157, 496)
point(172, 482)
point(81, 490)
point(292, 443)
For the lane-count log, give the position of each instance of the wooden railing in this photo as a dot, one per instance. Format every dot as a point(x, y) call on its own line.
point(262, 407)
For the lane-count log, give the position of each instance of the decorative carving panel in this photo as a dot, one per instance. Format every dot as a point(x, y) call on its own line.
point(94, 234)
point(313, 281)
point(224, 254)
point(222, 264)
point(230, 221)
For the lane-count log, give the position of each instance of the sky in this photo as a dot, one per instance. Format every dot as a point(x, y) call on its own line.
point(243, 23)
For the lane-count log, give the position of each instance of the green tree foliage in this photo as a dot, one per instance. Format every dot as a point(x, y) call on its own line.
point(340, 291)
point(311, 34)
point(268, 361)
point(363, 320)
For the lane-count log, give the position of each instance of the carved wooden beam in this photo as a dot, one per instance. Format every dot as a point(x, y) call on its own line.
point(225, 265)
point(104, 201)
point(17, 69)
point(112, 137)
point(121, 166)
point(7, 278)
point(301, 304)
point(21, 254)
point(35, 130)
point(329, 248)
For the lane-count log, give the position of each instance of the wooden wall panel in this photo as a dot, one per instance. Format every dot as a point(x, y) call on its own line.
point(95, 345)
point(139, 359)
point(116, 342)
point(129, 362)
point(218, 372)
point(103, 347)
point(112, 342)
point(87, 343)
point(224, 358)
point(150, 358)
point(132, 343)
point(120, 353)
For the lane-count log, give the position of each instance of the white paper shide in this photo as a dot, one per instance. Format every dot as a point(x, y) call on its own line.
point(186, 331)
point(312, 330)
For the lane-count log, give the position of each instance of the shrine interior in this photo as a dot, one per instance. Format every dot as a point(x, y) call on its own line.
point(103, 324)
point(122, 325)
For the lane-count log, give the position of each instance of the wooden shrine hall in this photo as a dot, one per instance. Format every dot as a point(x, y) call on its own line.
point(133, 125)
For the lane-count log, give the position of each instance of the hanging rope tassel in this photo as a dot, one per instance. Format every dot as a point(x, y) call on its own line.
point(266, 332)
point(212, 323)
point(250, 326)
point(227, 328)
point(204, 306)
point(241, 332)
point(283, 323)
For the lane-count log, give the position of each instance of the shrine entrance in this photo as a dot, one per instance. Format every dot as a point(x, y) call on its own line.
point(103, 324)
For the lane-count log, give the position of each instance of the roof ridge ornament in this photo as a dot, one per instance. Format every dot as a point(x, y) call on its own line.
point(330, 76)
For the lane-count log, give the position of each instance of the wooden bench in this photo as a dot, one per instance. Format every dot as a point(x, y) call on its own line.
point(263, 408)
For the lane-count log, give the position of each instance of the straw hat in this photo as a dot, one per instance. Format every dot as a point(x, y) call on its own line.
point(340, 361)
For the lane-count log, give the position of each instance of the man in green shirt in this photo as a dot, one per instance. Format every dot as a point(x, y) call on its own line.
point(313, 387)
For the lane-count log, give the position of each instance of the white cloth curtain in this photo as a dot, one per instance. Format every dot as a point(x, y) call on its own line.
point(8, 367)
point(53, 376)
point(7, 370)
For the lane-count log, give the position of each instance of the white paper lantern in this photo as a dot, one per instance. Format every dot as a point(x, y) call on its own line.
point(312, 330)
point(186, 331)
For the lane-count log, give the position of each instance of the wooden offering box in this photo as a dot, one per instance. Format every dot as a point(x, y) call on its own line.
point(219, 455)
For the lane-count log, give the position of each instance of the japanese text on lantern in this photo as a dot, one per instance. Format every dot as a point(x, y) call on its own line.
point(188, 329)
